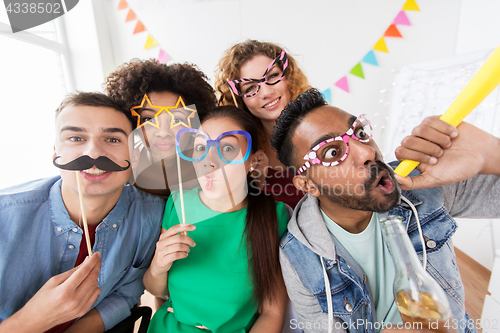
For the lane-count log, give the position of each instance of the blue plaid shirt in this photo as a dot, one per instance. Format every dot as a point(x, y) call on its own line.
point(39, 240)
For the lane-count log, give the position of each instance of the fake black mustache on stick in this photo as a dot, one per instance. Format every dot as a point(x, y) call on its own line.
point(86, 162)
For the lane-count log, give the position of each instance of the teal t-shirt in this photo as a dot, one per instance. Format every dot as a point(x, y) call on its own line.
point(370, 252)
point(213, 285)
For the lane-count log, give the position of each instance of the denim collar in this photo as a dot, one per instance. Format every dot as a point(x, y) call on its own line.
point(414, 200)
point(62, 222)
point(308, 227)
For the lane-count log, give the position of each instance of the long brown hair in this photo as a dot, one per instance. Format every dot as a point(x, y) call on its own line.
point(230, 64)
point(261, 219)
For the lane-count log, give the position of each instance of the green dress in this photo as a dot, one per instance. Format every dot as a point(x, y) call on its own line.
point(213, 286)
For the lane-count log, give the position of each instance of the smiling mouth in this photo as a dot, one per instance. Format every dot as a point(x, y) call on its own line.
point(273, 103)
point(94, 172)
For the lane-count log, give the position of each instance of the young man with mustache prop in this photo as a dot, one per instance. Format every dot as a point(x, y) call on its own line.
point(48, 280)
point(334, 249)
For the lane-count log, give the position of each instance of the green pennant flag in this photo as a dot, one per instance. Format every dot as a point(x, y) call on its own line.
point(358, 71)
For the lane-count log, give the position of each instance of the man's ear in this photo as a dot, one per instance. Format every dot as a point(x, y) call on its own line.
point(305, 184)
point(260, 162)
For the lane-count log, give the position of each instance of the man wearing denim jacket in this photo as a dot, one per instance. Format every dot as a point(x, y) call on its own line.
point(334, 247)
point(45, 281)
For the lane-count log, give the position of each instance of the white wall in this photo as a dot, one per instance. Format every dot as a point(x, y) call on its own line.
point(326, 37)
point(479, 29)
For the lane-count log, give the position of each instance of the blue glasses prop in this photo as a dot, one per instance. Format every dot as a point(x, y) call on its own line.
point(227, 146)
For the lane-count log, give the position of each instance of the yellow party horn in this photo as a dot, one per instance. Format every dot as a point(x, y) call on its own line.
point(481, 85)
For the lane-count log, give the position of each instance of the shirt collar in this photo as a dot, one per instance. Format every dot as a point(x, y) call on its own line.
point(62, 222)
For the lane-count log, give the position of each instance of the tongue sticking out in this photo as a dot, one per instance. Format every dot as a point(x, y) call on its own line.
point(208, 178)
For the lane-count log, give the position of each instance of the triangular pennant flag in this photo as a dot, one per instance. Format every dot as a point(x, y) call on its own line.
point(411, 5)
point(380, 46)
point(327, 95)
point(122, 5)
point(358, 70)
point(139, 27)
point(369, 58)
point(150, 42)
point(342, 84)
point(163, 57)
point(130, 16)
point(392, 31)
point(402, 19)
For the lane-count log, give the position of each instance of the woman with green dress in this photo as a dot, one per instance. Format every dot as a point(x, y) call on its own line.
point(224, 275)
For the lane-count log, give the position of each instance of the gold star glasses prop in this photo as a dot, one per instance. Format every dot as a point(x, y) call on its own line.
point(175, 121)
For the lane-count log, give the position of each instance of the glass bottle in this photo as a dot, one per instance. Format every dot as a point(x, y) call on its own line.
point(418, 296)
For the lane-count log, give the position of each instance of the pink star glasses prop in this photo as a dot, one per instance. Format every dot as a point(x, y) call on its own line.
point(273, 74)
point(335, 150)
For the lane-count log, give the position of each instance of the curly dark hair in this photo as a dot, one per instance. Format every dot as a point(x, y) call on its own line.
point(288, 121)
point(130, 81)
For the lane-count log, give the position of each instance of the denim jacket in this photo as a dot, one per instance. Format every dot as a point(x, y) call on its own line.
point(38, 240)
point(308, 241)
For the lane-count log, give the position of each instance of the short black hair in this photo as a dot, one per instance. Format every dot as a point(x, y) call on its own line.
point(288, 121)
point(94, 99)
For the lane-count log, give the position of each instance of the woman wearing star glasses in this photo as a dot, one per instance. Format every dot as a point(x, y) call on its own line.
point(262, 78)
point(159, 97)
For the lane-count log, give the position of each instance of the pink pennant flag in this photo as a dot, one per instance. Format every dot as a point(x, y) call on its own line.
point(401, 19)
point(163, 57)
point(342, 84)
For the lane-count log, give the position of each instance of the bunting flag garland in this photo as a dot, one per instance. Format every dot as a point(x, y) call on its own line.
point(358, 71)
point(370, 58)
point(411, 5)
point(122, 5)
point(139, 27)
point(163, 56)
point(342, 84)
point(401, 19)
point(150, 42)
point(327, 95)
point(392, 31)
point(130, 16)
point(380, 46)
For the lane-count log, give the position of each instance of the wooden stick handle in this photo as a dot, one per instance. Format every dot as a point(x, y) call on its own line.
point(234, 97)
point(181, 191)
point(84, 218)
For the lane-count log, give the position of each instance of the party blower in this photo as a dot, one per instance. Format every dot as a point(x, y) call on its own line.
point(481, 85)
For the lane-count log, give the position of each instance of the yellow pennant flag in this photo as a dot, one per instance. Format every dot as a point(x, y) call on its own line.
point(380, 46)
point(411, 5)
point(150, 43)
